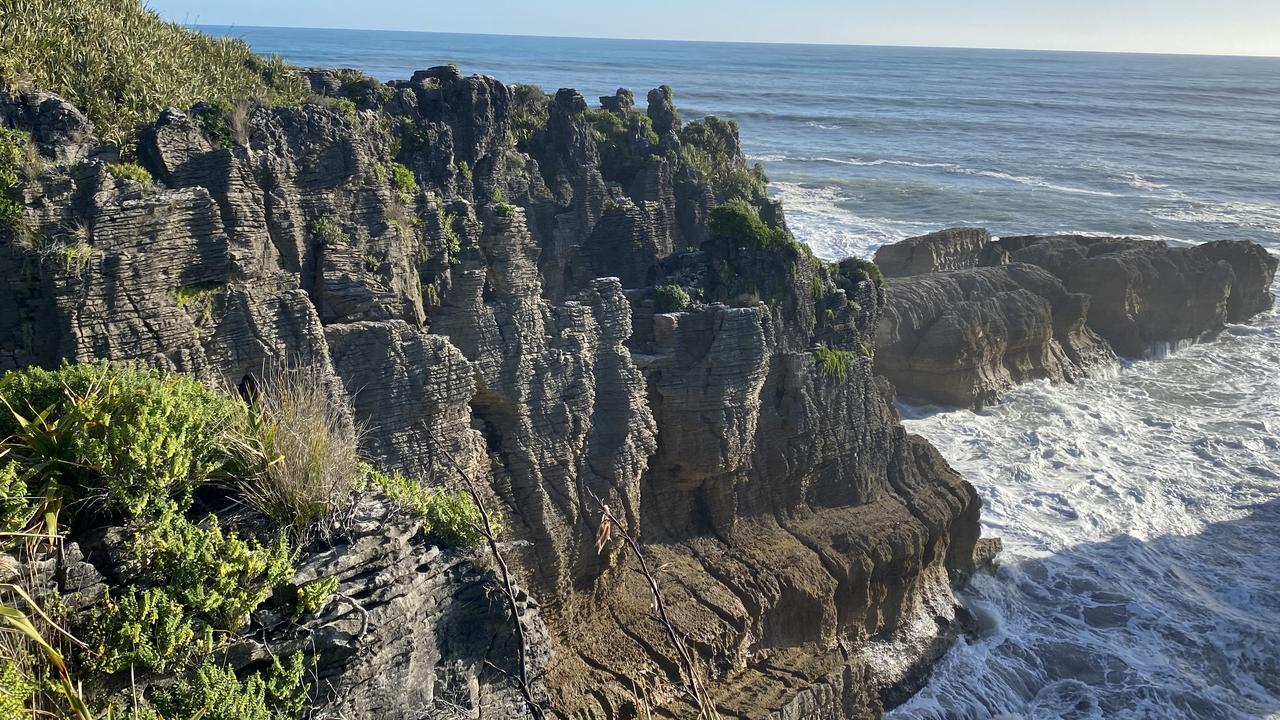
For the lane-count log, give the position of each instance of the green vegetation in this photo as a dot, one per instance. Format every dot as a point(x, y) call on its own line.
point(616, 136)
point(712, 147)
point(216, 575)
point(739, 222)
point(501, 206)
point(295, 453)
point(146, 628)
point(130, 171)
point(214, 693)
point(464, 170)
point(313, 596)
point(450, 516)
point(138, 439)
point(529, 113)
point(857, 270)
point(120, 64)
point(328, 233)
point(405, 184)
point(670, 298)
point(835, 364)
point(12, 159)
point(198, 300)
point(74, 257)
point(357, 85)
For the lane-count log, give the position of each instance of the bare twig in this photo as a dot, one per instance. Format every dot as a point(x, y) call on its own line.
point(521, 679)
point(706, 707)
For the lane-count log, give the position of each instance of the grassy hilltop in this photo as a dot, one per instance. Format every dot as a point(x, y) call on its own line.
point(121, 64)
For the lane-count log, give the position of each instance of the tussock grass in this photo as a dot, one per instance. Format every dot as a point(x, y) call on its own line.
point(297, 451)
point(121, 64)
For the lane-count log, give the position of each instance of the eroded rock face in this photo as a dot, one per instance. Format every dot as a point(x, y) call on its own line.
point(960, 333)
point(964, 338)
point(494, 321)
point(953, 249)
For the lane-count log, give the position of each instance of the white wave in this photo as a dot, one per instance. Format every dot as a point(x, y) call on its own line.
point(1034, 182)
point(823, 126)
point(1246, 215)
point(1139, 512)
point(1134, 180)
point(816, 218)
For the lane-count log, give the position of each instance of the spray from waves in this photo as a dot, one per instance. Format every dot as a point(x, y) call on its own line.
point(1237, 214)
point(816, 217)
point(1139, 513)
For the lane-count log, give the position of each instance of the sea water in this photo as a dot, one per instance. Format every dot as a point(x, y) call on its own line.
point(1140, 509)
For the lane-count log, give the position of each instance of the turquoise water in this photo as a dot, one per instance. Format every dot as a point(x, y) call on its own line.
point(1141, 509)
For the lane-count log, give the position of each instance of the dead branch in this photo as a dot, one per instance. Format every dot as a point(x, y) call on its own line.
point(706, 708)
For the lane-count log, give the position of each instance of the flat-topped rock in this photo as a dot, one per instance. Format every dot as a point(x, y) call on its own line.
point(952, 249)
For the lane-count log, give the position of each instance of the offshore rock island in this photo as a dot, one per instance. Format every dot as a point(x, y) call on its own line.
point(597, 322)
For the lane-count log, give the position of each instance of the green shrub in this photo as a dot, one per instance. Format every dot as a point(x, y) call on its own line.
point(215, 693)
point(198, 300)
point(739, 223)
point(529, 113)
point(16, 508)
point(120, 64)
point(670, 298)
point(130, 171)
point(144, 627)
point(711, 146)
point(328, 233)
point(858, 270)
point(216, 574)
point(835, 364)
point(12, 158)
point(313, 596)
point(144, 437)
point(450, 516)
point(295, 452)
point(405, 184)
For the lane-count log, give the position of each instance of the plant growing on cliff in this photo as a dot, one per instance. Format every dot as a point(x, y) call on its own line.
point(198, 300)
point(405, 184)
point(329, 234)
point(295, 452)
point(529, 113)
point(834, 364)
point(858, 271)
point(130, 171)
point(121, 64)
point(136, 439)
point(313, 596)
point(215, 693)
point(670, 298)
point(711, 146)
point(739, 222)
point(450, 516)
point(12, 158)
point(143, 627)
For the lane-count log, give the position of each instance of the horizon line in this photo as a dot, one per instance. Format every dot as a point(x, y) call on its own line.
point(744, 42)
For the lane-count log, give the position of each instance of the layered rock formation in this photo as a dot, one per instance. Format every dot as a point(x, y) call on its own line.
point(969, 317)
point(493, 317)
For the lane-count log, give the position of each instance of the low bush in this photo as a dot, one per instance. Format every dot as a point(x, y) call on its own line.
point(405, 184)
point(217, 575)
point(670, 298)
point(451, 516)
point(858, 270)
point(739, 222)
point(137, 440)
point(215, 693)
point(314, 595)
point(143, 627)
point(130, 171)
point(12, 158)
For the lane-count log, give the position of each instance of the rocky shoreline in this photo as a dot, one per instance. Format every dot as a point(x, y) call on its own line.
point(969, 317)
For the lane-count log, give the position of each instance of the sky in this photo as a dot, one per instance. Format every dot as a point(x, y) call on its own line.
point(1218, 27)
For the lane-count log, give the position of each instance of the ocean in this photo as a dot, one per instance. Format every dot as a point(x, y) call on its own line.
point(1140, 509)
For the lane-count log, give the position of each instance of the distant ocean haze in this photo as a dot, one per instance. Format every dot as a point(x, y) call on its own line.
point(1140, 509)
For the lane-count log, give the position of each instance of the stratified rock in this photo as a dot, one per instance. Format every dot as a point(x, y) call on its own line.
point(953, 249)
point(1146, 294)
point(964, 338)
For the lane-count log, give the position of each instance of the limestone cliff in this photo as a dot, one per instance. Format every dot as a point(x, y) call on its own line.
point(968, 317)
point(471, 266)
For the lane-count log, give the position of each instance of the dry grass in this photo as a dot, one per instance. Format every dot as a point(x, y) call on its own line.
point(297, 453)
point(121, 64)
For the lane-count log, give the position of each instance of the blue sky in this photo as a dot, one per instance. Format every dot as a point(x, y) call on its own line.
point(1237, 27)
